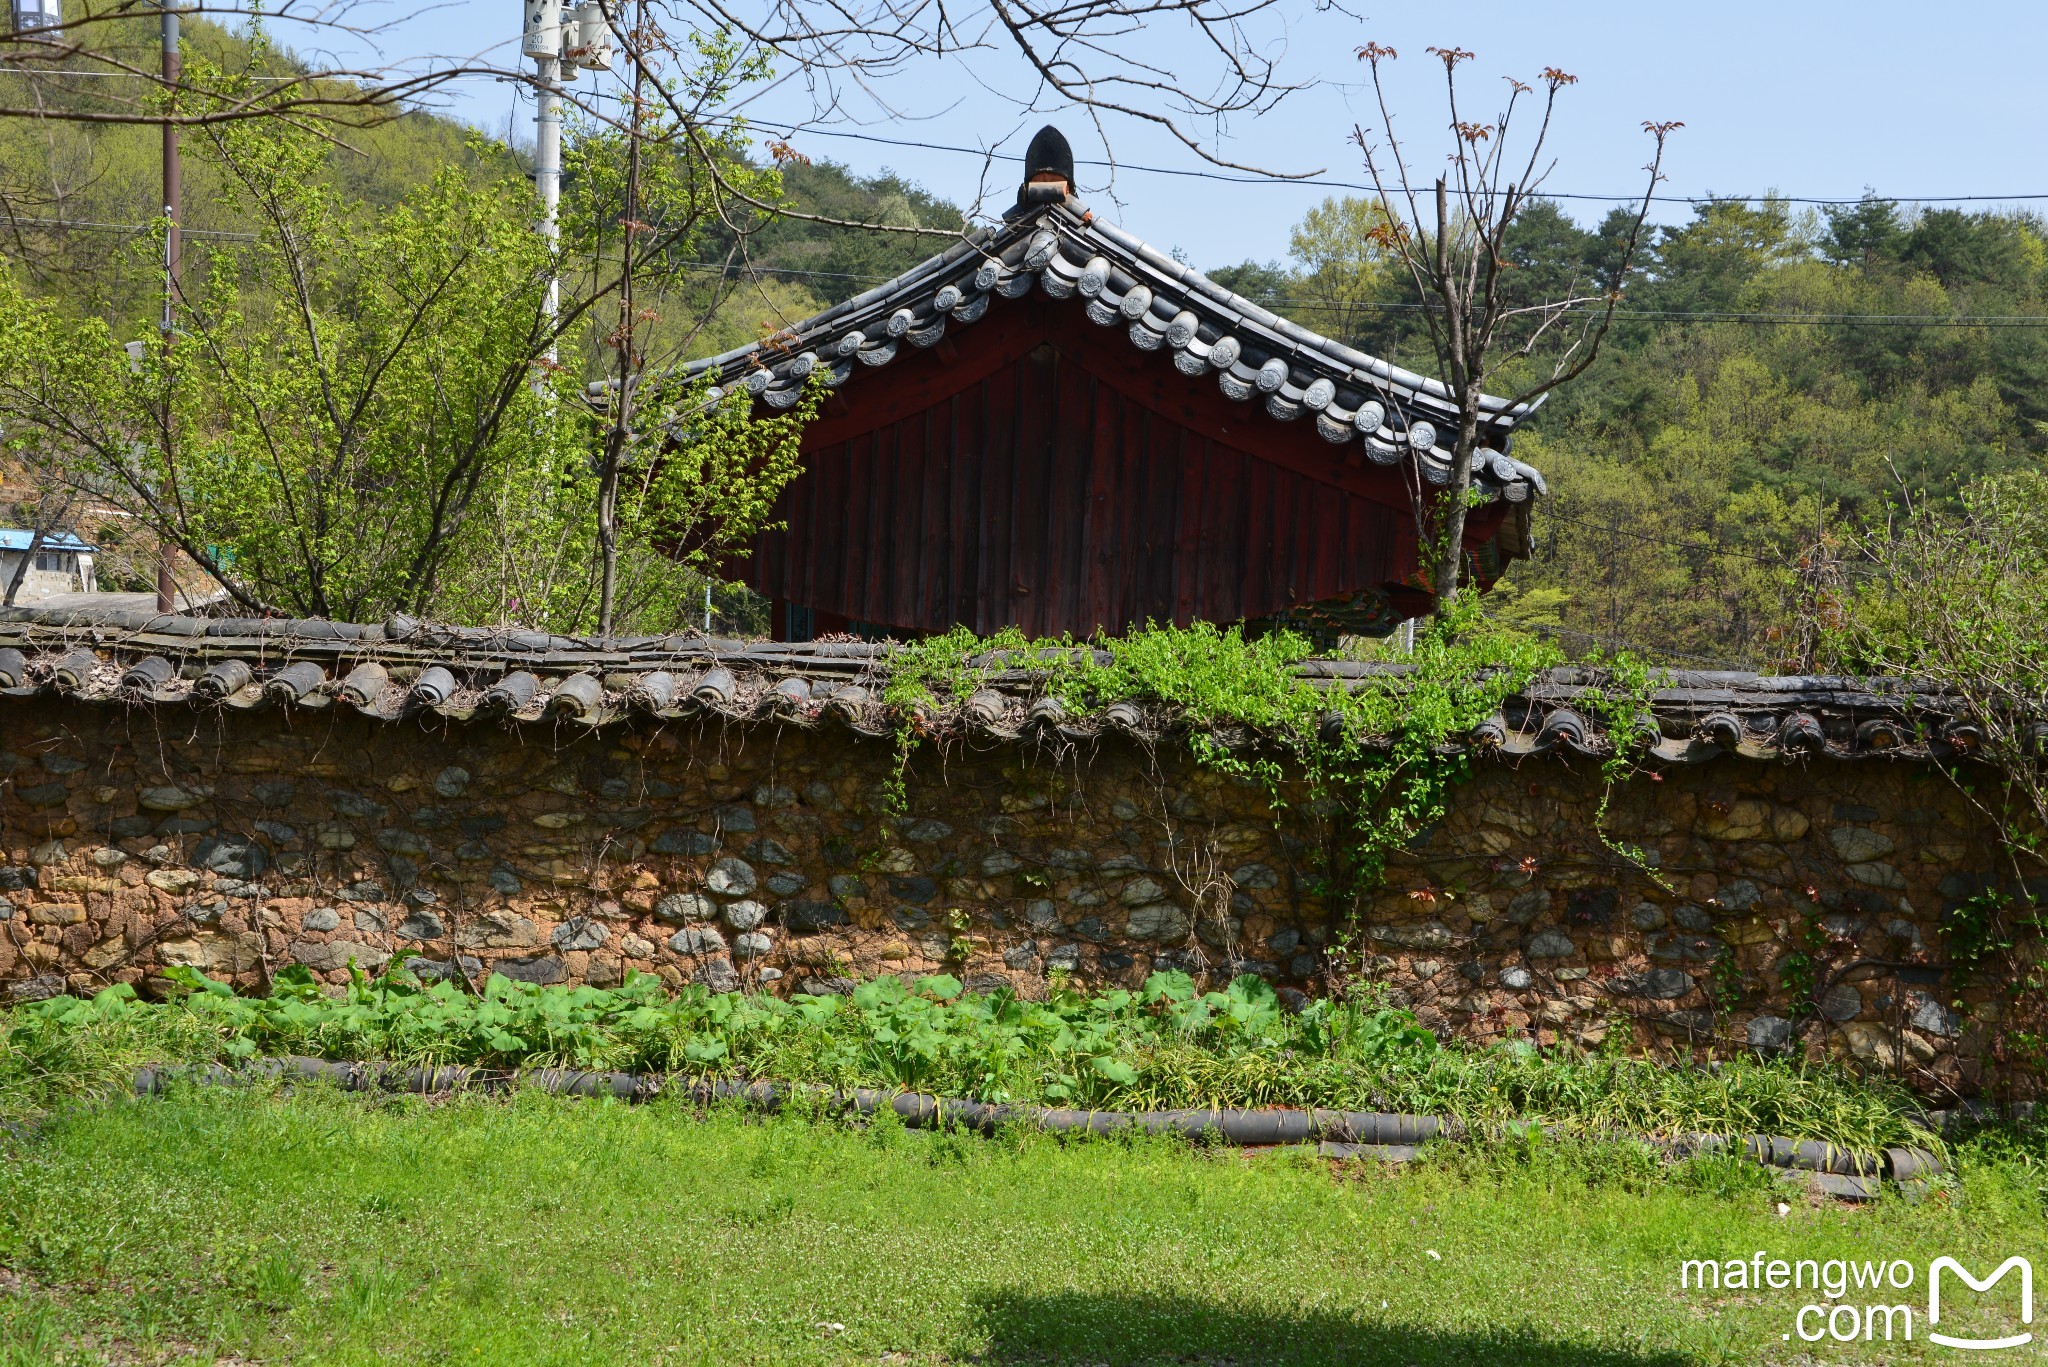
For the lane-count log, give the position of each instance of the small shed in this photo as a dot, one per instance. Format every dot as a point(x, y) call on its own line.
point(62, 563)
point(1056, 426)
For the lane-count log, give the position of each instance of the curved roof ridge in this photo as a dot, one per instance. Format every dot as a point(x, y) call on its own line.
point(1064, 251)
point(1259, 313)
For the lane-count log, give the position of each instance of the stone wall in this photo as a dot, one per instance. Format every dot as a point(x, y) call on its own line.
point(759, 856)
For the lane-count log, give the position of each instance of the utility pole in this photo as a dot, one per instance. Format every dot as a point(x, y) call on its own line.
point(173, 68)
point(542, 41)
point(174, 251)
point(559, 45)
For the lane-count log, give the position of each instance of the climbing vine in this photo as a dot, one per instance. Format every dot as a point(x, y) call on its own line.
point(1623, 708)
point(1798, 971)
point(1375, 756)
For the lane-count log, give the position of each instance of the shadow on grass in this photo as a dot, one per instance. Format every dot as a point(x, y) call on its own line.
point(1080, 1328)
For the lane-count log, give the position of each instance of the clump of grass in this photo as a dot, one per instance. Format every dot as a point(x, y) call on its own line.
point(66, 1051)
point(1163, 1046)
point(1741, 1095)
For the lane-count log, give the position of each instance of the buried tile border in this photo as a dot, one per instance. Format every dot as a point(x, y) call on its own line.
point(1384, 1136)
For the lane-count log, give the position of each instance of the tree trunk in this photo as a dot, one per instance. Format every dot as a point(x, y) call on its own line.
point(608, 526)
point(1459, 378)
point(1450, 563)
point(46, 521)
point(166, 582)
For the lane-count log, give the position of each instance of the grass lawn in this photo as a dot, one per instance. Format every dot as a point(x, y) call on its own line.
point(323, 1228)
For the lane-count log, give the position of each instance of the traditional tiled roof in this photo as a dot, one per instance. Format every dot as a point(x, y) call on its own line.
point(405, 669)
point(1063, 250)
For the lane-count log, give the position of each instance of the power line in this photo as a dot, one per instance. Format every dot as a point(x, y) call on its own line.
point(1960, 320)
point(1320, 183)
point(15, 221)
point(127, 75)
point(1984, 320)
point(1989, 320)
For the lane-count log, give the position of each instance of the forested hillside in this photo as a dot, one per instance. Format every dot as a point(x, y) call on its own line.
point(78, 196)
point(76, 200)
point(1775, 378)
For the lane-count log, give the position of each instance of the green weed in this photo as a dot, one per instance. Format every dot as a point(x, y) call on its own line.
point(1363, 761)
point(1165, 1045)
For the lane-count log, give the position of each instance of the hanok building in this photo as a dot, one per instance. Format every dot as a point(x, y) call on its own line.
point(1055, 426)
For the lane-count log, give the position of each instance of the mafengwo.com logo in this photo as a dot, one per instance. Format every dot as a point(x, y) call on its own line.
point(1864, 1301)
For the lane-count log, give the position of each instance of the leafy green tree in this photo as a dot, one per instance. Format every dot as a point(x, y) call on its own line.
point(1345, 272)
point(354, 415)
point(1865, 233)
point(1606, 256)
point(1711, 262)
point(1961, 249)
point(339, 395)
point(1546, 255)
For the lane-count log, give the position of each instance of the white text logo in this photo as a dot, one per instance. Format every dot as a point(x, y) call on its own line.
point(1934, 1301)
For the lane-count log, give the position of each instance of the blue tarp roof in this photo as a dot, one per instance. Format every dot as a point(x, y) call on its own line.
point(17, 539)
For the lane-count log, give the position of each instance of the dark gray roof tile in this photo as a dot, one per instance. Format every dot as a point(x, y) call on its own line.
point(461, 673)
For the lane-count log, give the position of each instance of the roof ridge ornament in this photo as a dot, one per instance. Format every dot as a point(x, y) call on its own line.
point(1048, 170)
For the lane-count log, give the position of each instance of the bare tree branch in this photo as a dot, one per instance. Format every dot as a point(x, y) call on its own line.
point(1456, 259)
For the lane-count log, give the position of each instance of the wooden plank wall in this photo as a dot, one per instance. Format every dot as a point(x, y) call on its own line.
point(1044, 497)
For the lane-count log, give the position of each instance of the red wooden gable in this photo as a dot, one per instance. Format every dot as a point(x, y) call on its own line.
point(1037, 470)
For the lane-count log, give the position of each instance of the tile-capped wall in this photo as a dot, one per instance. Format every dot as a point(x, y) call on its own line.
point(763, 857)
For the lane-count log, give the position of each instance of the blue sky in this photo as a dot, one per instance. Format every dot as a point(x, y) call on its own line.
point(1811, 99)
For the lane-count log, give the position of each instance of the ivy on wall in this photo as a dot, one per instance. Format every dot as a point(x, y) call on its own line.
point(1368, 762)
